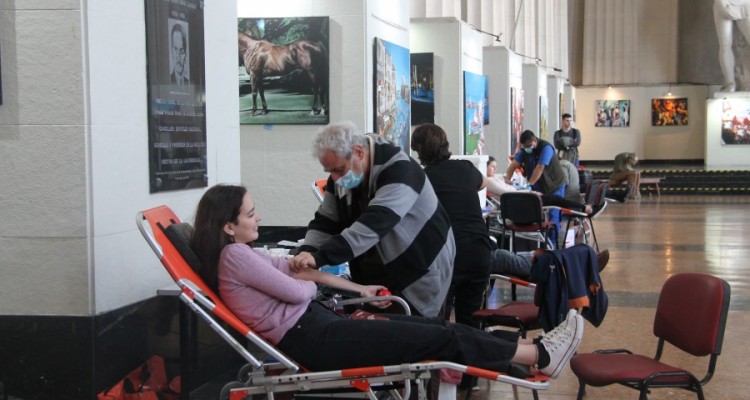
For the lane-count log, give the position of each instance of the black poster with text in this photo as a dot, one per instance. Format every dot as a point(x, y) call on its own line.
point(176, 95)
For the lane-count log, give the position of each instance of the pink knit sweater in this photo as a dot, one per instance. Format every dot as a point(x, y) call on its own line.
point(260, 290)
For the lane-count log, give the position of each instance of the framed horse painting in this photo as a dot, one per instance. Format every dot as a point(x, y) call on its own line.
point(283, 70)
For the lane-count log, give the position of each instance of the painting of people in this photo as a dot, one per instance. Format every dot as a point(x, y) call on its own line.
point(392, 93)
point(665, 112)
point(735, 121)
point(475, 87)
point(283, 70)
point(612, 113)
point(516, 119)
point(422, 89)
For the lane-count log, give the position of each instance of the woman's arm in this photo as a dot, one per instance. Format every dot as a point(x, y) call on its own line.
point(485, 181)
point(331, 280)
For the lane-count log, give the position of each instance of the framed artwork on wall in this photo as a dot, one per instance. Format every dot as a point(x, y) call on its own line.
point(487, 101)
point(422, 89)
point(516, 119)
point(562, 106)
point(1, 79)
point(475, 87)
point(543, 112)
point(612, 113)
point(176, 82)
point(666, 112)
point(283, 70)
point(735, 121)
point(392, 93)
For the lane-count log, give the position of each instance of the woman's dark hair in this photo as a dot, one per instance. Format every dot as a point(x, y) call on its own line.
point(218, 206)
point(430, 143)
point(491, 159)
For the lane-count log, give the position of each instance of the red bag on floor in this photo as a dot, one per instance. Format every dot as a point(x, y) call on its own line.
point(145, 382)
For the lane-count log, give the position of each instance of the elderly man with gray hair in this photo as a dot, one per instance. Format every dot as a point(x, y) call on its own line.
point(380, 214)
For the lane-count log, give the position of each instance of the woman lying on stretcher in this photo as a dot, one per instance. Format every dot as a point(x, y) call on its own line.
point(278, 304)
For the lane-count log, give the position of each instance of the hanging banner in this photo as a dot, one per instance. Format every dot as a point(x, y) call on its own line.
point(176, 95)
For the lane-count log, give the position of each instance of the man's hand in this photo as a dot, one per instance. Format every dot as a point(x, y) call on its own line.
point(301, 261)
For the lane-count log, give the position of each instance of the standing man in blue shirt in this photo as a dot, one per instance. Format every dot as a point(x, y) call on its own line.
point(541, 167)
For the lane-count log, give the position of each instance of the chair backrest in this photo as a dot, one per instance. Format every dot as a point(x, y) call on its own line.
point(160, 219)
point(596, 191)
point(692, 313)
point(523, 208)
point(319, 188)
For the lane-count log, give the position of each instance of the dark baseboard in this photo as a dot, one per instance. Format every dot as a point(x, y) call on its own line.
point(69, 357)
point(645, 163)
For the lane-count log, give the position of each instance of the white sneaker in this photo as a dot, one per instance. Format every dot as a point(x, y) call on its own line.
point(561, 343)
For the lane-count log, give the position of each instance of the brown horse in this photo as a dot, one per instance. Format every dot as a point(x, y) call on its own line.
point(263, 58)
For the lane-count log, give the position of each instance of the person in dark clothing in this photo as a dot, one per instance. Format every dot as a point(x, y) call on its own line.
point(381, 215)
point(542, 169)
point(456, 183)
point(567, 139)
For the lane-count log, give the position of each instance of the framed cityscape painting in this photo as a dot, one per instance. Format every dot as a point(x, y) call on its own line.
point(392, 93)
point(475, 87)
point(422, 89)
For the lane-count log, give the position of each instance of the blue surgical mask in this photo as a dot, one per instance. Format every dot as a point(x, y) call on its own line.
point(350, 180)
point(528, 150)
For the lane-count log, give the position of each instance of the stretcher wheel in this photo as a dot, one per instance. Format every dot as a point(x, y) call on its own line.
point(224, 394)
point(244, 373)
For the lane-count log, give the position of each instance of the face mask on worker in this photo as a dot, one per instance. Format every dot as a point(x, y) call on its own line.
point(529, 149)
point(350, 180)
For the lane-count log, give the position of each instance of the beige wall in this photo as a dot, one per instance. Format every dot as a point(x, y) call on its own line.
point(74, 152)
point(43, 184)
point(649, 142)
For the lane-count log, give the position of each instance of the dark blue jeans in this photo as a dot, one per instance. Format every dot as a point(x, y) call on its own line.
point(323, 340)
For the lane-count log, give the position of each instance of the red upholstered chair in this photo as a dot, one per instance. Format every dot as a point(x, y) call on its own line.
point(691, 316)
point(521, 315)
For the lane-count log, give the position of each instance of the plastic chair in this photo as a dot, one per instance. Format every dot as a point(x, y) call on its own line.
point(283, 375)
point(691, 315)
point(319, 188)
point(523, 212)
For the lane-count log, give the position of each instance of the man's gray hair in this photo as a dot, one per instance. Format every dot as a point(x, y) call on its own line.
point(339, 138)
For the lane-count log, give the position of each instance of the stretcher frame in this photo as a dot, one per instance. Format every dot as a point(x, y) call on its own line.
point(283, 375)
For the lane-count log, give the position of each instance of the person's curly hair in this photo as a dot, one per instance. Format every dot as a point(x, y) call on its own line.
point(431, 144)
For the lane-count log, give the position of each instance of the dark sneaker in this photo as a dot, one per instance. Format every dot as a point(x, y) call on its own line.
point(603, 259)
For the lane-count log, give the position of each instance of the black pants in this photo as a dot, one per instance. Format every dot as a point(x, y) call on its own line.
point(323, 340)
point(471, 271)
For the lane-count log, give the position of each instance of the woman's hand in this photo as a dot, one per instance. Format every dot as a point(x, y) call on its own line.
point(301, 261)
point(372, 291)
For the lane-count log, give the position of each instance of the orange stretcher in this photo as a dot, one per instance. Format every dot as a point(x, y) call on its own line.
point(272, 372)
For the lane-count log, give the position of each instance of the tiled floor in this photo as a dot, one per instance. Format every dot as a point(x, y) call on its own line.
point(650, 240)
